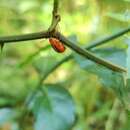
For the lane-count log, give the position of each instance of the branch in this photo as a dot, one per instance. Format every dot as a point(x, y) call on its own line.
point(38, 35)
point(88, 54)
point(55, 7)
point(56, 16)
point(91, 45)
point(100, 42)
point(108, 38)
point(47, 34)
point(25, 37)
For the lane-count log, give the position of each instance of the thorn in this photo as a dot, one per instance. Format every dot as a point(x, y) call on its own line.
point(1, 45)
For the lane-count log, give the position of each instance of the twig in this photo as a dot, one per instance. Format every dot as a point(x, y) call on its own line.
point(52, 32)
point(81, 51)
point(93, 44)
point(38, 35)
point(88, 54)
point(109, 38)
point(46, 34)
point(55, 7)
point(25, 37)
point(100, 42)
point(55, 17)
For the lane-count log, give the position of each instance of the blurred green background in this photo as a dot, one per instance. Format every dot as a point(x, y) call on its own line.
point(88, 20)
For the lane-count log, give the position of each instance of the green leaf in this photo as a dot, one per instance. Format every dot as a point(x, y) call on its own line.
point(53, 109)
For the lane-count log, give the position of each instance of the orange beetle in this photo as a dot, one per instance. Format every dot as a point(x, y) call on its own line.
point(57, 45)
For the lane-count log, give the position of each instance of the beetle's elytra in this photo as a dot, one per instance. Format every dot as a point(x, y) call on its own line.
point(57, 45)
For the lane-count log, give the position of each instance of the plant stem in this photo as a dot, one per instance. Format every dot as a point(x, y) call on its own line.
point(25, 37)
point(109, 38)
point(88, 54)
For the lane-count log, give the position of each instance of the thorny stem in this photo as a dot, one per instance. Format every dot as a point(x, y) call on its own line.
point(88, 54)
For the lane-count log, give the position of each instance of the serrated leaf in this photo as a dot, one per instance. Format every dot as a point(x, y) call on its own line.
point(54, 110)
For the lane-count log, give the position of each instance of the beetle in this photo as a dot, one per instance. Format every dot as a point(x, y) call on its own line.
point(57, 45)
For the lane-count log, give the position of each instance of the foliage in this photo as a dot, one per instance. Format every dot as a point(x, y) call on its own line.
point(79, 94)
